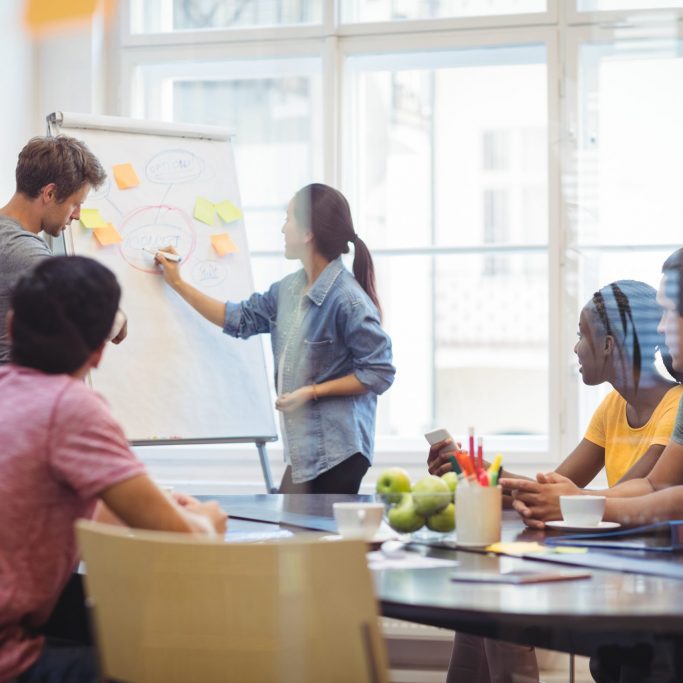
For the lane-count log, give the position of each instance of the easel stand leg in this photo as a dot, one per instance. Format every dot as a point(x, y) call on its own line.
point(572, 674)
point(265, 467)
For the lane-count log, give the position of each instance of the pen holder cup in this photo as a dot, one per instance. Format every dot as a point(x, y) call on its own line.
point(478, 511)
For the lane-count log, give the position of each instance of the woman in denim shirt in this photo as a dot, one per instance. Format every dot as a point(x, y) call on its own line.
point(332, 356)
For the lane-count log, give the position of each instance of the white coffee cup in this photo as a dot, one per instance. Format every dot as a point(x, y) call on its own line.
point(358, 520)
point(582, 510)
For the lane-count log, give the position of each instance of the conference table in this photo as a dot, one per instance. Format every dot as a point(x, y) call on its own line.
point(630, 598)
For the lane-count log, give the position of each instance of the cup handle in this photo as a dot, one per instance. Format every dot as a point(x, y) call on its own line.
point(361, 515)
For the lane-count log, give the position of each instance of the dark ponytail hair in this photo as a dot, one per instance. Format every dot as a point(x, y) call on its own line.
point(629, 312)
point(326, 213)
point(63, 310)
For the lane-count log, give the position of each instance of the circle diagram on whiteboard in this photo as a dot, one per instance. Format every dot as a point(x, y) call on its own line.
point(151, 228)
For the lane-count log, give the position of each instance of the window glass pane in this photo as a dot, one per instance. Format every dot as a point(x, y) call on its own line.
point(607, 5)
point(471, 354)
point(389, 10)
point(154, 16)
point(450, 148)
point(630, 144)
point(276, 118)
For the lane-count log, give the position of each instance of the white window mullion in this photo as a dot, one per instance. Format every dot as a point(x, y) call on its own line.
point(557, 332)
point(330, 91)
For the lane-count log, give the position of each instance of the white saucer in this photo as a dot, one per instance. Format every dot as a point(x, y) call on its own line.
point(602, 526)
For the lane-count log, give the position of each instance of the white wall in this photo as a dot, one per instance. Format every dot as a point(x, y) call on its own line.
point(16, 105)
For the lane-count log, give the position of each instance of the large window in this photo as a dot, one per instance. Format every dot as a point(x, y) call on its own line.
point(503, 158)
point(447, 167)
point(627, 206)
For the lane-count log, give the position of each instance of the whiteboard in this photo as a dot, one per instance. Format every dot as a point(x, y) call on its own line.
point(176, 377)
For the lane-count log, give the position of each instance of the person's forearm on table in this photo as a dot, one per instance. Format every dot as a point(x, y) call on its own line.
point(660, 505)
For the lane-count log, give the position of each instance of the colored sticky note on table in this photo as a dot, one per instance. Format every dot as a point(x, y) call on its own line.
point(92, 218)
point(228, 211)
point(223, 244)
point(43, 14)
point(125, 176)
point(515, 548)
point(107, 235)
point(204, 210)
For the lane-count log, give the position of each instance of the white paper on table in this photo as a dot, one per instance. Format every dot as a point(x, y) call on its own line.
point(378, 560)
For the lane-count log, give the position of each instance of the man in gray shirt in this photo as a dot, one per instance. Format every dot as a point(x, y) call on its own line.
point(54, 176)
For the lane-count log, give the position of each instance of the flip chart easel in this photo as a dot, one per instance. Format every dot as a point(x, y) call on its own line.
point(176, 379)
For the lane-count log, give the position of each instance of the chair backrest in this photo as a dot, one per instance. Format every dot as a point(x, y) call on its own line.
point(170, 608)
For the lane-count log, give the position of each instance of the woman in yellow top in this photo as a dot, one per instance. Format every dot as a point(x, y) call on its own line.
point(618, 343)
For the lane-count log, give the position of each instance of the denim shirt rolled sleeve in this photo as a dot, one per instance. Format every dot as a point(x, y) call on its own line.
point(253, 316)
point(370, 348)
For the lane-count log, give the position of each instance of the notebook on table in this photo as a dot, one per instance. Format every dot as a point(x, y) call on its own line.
point(661, 536)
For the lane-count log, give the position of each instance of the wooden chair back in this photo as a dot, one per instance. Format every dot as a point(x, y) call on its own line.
point(171, 608)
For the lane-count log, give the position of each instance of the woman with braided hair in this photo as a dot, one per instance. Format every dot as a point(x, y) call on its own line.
point(332, 356)
point(618, 343)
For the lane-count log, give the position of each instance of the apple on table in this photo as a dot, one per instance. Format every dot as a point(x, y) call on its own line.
point(403, 517)
point(392, 484)
point(444, 520)
point(431, 494)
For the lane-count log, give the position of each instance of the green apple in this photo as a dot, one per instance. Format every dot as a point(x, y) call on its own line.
point(431, 494)
point(451, 478)
point(392, 484)
point(443, 521)
point(403, 518)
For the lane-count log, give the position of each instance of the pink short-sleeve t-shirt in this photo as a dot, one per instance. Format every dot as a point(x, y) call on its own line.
point(59, 448)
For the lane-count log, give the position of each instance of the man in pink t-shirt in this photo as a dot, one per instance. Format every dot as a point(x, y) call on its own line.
point(62, 451)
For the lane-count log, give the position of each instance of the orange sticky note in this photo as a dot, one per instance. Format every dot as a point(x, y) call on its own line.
point(125, 176)
point(223, 244)
point(107, 235)
point(44, 14)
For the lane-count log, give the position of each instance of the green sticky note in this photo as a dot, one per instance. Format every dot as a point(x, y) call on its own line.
point(228, 211)
point(92, 218)
point(204, 210)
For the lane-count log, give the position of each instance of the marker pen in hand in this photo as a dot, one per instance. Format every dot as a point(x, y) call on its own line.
point(166, 254)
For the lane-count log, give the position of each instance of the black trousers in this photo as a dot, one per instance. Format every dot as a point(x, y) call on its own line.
point(68, 655)
point(342, 478)
point(646, 662)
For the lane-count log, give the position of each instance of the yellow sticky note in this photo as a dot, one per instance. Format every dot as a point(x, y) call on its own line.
point(223, 244)
point(228, 211)
point(204, 210)
point(125, 176)
point(515, 548)
point(92, 218)
point(107, 235)
point(43, 14)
